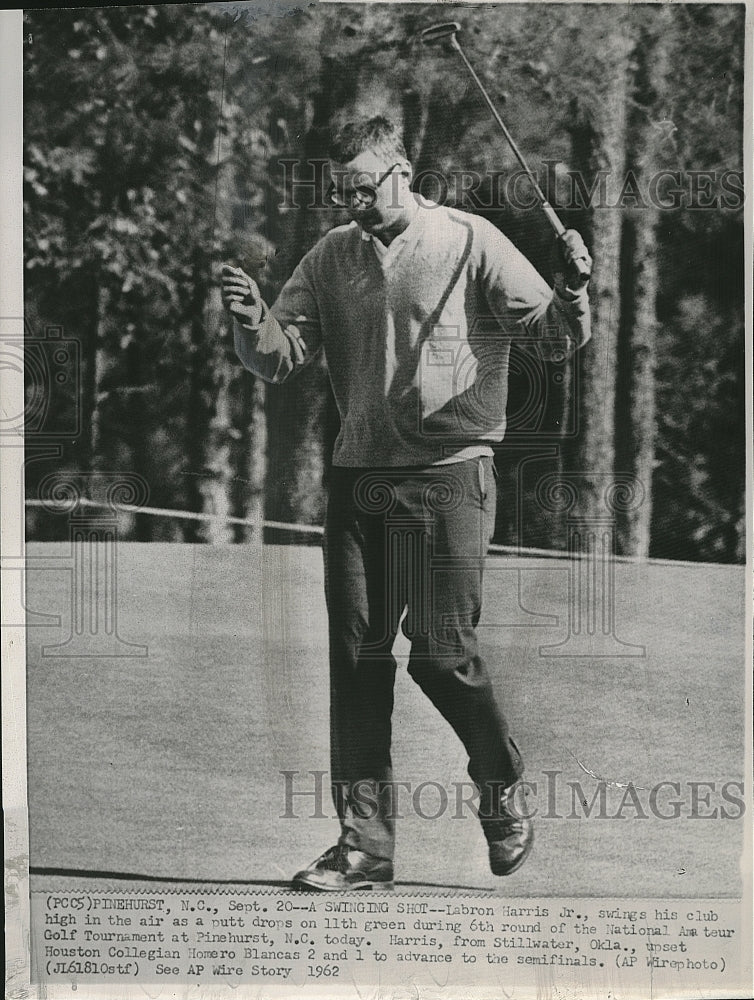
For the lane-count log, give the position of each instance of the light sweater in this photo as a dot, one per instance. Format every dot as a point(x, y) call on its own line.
point(416, 336)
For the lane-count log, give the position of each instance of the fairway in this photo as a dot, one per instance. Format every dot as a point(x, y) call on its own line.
point(168, 766)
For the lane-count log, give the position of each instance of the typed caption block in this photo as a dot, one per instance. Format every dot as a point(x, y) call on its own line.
point(253, 938)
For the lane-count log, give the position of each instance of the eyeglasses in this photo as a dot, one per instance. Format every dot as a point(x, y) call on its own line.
point(361, 196)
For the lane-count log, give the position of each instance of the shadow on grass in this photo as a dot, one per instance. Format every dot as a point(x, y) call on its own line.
point(265, 882)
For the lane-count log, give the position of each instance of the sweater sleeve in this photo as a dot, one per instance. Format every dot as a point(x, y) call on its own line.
point(523, 302)
point(288, 335)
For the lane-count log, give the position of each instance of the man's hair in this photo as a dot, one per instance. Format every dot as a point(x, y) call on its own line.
point(378, 133)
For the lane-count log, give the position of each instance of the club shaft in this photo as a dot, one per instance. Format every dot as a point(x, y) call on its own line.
point(547, 208)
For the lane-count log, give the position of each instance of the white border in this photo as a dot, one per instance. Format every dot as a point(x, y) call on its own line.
point(12, 544)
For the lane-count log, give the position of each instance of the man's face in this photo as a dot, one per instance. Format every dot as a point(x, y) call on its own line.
point(373, 189)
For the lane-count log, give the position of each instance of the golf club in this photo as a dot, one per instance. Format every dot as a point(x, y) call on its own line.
point(448, 31)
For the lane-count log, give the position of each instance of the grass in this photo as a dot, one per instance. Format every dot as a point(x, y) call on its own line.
point(169, 766)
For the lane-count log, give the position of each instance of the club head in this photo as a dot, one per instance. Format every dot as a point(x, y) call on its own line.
point(437, 33)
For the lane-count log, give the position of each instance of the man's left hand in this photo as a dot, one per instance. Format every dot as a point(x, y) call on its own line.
point(572, 267)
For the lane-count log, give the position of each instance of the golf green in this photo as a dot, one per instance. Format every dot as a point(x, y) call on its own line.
point(170, 765)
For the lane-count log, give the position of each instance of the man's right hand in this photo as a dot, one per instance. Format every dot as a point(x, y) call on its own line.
point(241, 296)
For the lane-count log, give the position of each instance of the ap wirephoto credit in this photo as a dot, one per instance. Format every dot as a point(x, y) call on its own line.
point(376, 437)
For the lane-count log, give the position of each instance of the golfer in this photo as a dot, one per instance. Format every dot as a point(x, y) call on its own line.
point(415, 306)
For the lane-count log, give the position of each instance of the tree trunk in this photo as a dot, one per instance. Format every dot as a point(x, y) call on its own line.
point(135, 432)
point(599, 144)
point(635, 445)
point(208, 428)
point(559, 531)
point(295, 410)
point(91, 378)
point(248, 454)
point(635, 412)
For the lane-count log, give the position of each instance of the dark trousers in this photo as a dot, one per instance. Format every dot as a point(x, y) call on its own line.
point(409, 540)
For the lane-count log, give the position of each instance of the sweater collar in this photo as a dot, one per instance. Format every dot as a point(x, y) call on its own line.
point(408, 231)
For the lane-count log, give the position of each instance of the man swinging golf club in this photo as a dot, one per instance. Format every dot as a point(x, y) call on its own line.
point(401, 301)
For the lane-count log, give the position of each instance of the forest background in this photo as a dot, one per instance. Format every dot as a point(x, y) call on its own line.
point(160, 141)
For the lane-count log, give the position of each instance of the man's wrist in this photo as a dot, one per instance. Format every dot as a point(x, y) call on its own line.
point(254, 321)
